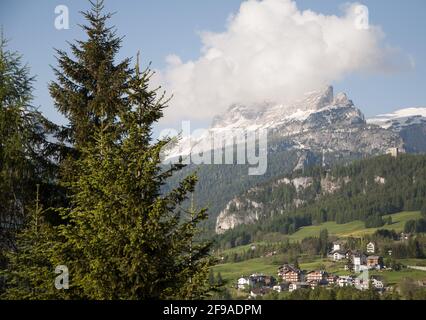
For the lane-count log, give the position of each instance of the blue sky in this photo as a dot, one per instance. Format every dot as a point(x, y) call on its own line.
point(158, 28)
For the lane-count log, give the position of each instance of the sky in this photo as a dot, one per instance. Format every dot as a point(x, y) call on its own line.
point(203, 50)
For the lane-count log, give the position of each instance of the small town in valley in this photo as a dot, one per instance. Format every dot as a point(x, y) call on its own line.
point(356, 272)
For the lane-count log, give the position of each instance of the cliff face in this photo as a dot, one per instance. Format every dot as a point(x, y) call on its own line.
point(251, 206)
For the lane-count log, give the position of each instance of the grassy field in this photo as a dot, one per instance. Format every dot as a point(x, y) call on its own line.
point(232, 271)
point(395, 277)
point(354, 228)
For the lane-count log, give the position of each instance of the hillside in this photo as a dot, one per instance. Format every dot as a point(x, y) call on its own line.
point(363, 190)
point(355, 228)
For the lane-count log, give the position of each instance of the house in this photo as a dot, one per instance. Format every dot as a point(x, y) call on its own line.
point(359, 261)
point(243, 283)
point(373, 262)
point(394, 152)
point(361, 283)
point(332, 279)
point(338, 255)
point(298, 285)
point(337, 246)
point(344, 281)
point(315, 283)
point(292, 276)
point(371, 247)
point(287, 267)
point(289, 273)
point(269, 281)
point(281, 287)
point(257, 280)
point(255, 292)
point(377, 283)
point(316, 276)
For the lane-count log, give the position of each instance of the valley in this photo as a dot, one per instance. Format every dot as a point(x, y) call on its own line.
point(395, 278)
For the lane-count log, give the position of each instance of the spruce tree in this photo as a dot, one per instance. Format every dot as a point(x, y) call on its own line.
point(125, 239)
point(122, 237)
point(91, 87)
point(25, 153)
point(30, 272)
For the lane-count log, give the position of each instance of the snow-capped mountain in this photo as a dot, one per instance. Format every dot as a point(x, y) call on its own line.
point(401, 118)
point(272, 116)
point(319, 122)
point(409, 124)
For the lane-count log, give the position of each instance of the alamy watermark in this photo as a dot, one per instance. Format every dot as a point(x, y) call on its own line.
point(62, 20)
point(362, 17)
point(62, 280)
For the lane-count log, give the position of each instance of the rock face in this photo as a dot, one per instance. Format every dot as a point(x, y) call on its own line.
point(409, 123)
point(249, 207)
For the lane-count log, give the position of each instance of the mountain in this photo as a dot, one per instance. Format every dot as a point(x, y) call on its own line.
point(409, 123)
point(319, 122)
point(322, 128)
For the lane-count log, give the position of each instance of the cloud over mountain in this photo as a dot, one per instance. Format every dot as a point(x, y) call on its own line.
point(272, 51)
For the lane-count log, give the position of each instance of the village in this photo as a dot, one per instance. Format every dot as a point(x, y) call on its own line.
point(291, 278)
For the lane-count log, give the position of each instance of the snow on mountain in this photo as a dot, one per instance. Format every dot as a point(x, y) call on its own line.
point(271, 115)
point(316, 110)
point(400, 118)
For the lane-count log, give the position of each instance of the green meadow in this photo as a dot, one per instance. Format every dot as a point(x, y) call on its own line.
point(355, 228)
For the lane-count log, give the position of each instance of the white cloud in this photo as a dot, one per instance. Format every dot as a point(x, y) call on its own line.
point(270, 51)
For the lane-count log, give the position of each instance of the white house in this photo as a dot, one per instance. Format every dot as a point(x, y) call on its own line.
point(243, 283)
point(377, 284)
point(371, 248)
point(298, 285)
point(345, 281)
point(361, 284)
point(339, 255)
point(359, 262)
point(337, 246)
point(280, 287)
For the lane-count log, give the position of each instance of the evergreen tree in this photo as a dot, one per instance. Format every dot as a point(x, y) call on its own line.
point(30, 272)
point(25, 153)
point(219, 279)
point(323, 242)
point(91, 88)
point(124, 239)
point(410, 226)
point(212, 280)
